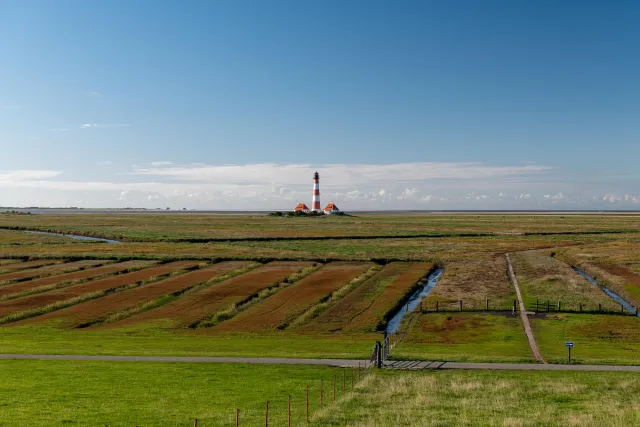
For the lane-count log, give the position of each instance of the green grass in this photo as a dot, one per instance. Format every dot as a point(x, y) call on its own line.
point(465, 337)
point(79, 393)
point(599, 339)
point(152, 340)
point(489, 398)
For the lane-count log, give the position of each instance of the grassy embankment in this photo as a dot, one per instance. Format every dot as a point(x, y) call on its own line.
point(463, 398)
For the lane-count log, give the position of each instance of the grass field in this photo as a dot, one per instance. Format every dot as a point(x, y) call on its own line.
point(156, 227)
point(162, 394)
point(469, 337)
point(149, 308)
point(599, 339)
point(254, 286)
point(516, 398)
point(156, 394)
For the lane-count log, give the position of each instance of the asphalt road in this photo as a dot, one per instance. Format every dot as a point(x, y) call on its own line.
point(401, 365)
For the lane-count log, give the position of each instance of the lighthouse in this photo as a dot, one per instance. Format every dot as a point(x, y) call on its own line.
point(315, 206)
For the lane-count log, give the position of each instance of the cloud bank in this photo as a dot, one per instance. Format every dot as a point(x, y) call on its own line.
point(416, 185)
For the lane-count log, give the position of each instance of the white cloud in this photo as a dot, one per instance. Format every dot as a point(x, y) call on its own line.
point(95, 94)
point(58, 130)
point(105, 163)
point(158, 164)
point(21, 176)
point(340, 174)
point(103, 126)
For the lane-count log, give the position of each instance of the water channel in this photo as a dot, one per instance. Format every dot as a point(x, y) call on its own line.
point(414, 301)
point(617, 298)
point(75, 236)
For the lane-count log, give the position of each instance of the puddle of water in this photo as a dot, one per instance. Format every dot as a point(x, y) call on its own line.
point(75, 236)
point(617, 298)
point(414, 301)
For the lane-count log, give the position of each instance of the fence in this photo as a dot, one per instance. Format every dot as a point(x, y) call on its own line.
point(538, 307)
point(297, 408)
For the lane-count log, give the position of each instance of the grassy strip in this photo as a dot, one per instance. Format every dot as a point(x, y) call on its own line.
point(39, 311)
point(265, 293)
point(436, 234)
point(165, 299)
point(332, 299)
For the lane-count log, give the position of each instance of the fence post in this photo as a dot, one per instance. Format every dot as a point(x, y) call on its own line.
point(195, 422)
point(548, 306)
point(437, 306)
point(580, 307)
point(599, 308)
point(289, 412)
point(460, 305)
point(420, 307)
point(334, 388)
point(621, 308)
point(558, 306)
point(379, 355)
point(537, 306)
point(266, 415)
point(307, 404)
point(237, 417)
point(487, 305)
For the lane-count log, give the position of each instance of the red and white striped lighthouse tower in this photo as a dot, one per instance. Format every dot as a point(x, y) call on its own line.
point(315, 206)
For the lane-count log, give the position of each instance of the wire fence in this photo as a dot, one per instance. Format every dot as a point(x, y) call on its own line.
point(538, 306)
point(290, 409)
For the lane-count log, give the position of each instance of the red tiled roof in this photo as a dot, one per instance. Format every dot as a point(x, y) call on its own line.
point(301, 207)
point(331, 207)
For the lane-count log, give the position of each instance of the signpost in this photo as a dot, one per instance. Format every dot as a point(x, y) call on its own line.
point(569, 345)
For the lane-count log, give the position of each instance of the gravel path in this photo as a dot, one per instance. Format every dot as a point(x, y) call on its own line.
point(523, 314)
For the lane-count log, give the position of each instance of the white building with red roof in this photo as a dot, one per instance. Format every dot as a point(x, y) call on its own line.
point(301, 207)
point(331, 208)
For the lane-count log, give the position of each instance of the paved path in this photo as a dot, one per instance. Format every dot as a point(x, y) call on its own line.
point(523, 314)
point(401, 365)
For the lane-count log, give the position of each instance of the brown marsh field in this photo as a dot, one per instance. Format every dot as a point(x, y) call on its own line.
point(251, 285)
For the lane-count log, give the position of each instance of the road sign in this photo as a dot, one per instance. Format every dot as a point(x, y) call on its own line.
point(569, 345)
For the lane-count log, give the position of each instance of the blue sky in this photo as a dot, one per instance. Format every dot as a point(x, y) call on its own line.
point(459, 104)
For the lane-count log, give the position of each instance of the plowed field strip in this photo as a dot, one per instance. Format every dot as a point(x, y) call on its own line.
point(366, 307)
point(205, 303)
point(8, 261)
point(8, 268)
point(99, 309)
point(284, 306)
point(50, 270)
point(47, 298)
point(62, 279)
